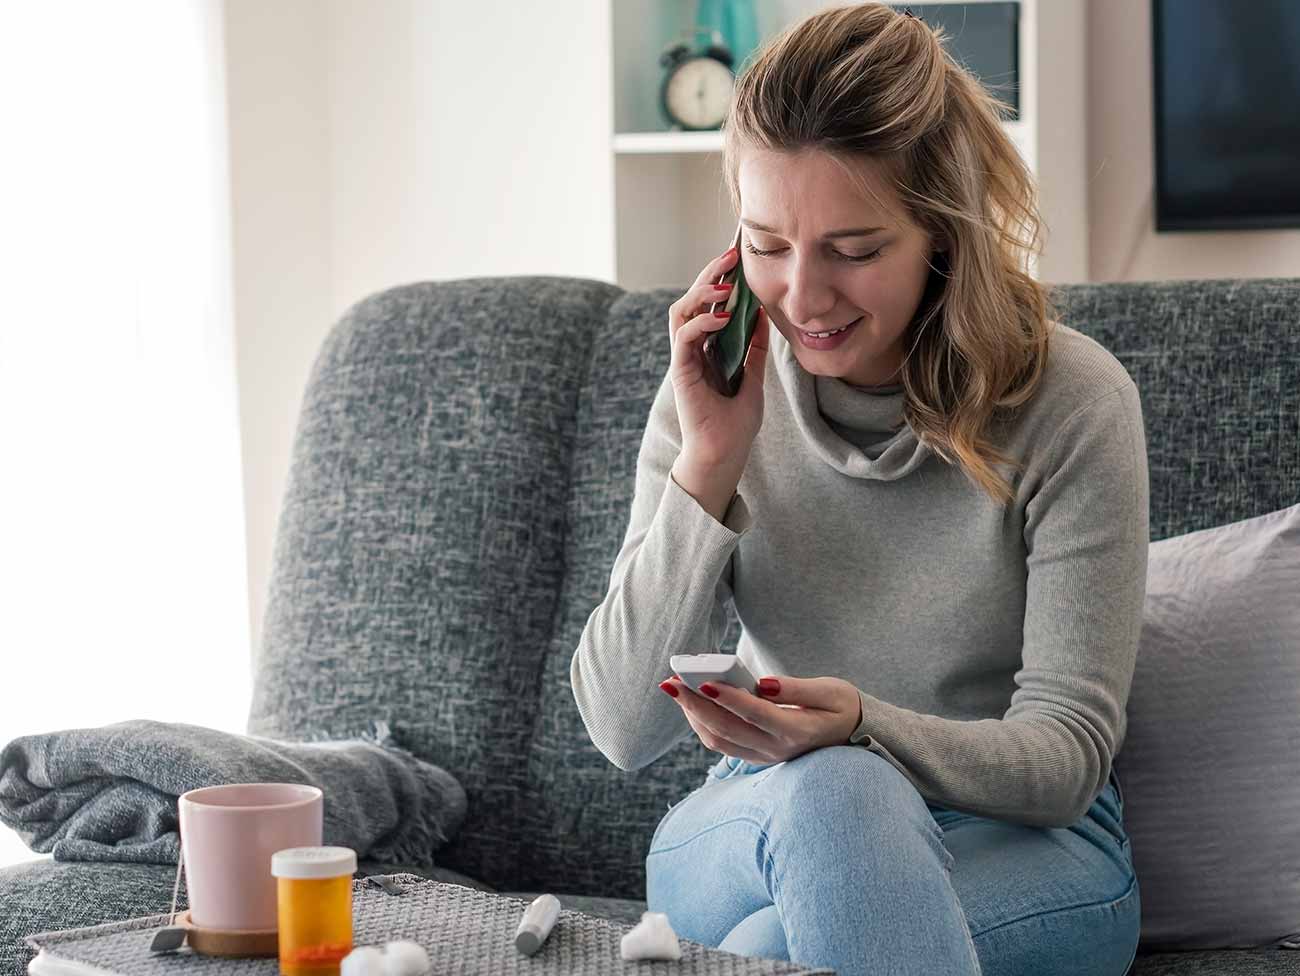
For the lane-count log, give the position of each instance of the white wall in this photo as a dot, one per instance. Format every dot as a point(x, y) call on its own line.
point(1121, 162)
point(279, 175)
point(468, 139)
point(380, 143)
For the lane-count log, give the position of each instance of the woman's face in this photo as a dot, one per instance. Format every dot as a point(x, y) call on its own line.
point(813, 283)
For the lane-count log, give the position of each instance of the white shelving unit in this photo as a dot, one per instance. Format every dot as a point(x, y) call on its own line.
point(672, 212)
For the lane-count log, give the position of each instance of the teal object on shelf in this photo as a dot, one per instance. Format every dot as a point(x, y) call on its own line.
point(740, 28)
point(735, 21)
point(708, 18)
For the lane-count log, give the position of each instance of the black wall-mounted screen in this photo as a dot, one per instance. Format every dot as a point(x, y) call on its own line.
point(1227, 113)
point(982, 37)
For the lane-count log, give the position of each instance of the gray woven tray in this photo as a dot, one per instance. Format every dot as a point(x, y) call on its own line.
point(464, 930)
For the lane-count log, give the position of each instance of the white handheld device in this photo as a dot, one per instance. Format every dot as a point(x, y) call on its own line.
point(695, 669)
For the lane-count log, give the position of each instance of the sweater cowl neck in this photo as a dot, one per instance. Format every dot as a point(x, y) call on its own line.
point(857, 430)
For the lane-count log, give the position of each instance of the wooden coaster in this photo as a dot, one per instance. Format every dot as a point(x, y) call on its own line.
point(242, 943)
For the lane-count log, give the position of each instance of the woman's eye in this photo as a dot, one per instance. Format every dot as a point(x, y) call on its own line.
point(857, 259)
point(863, 257)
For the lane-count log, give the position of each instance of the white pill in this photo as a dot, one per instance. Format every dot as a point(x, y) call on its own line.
point(363, 961)
point(405, 958)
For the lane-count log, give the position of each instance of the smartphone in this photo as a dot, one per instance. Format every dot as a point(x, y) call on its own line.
point(695, 669)
point(725, 349)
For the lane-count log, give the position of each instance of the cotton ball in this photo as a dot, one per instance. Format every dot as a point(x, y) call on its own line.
point(405, 958)
point(652, 938)
point(363, 961)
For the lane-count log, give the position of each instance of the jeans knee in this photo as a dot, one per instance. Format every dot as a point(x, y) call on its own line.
point(760, 934)
point(838, 781)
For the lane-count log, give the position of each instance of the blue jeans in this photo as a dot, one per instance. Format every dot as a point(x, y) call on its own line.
point(834, 859)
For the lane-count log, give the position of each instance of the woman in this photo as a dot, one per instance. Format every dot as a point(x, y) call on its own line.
point(934, 529)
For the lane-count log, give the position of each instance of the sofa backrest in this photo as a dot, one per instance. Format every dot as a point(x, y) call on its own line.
point(1217, 364)
point(460, 485)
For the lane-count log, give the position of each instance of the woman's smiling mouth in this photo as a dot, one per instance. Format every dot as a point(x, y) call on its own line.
point(828, 340)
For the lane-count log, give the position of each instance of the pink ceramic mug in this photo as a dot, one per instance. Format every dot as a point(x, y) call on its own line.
point(228, 834)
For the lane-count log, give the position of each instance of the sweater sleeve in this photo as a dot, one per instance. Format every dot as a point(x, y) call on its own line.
point(668, 594)
point(1086, 533)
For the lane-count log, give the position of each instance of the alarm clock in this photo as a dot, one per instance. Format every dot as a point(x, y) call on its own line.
point(697, 87)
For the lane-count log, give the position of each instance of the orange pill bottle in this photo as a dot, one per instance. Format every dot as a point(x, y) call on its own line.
point(314, 908)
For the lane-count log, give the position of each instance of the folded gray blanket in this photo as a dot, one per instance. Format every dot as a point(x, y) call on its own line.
point(109, 793)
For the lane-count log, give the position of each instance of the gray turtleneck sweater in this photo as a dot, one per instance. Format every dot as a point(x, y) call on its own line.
point(993, 648)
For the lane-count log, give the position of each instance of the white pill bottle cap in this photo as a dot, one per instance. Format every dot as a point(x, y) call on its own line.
point(313, 862)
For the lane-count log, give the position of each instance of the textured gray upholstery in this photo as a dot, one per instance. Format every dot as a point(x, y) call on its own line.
point(460, 484)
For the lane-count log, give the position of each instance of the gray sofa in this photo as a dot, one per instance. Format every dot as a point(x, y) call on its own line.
point(460, 484)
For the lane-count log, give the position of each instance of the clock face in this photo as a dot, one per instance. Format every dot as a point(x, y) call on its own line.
point(699, 92)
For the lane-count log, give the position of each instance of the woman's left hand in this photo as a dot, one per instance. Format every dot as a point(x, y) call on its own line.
point(788, 717)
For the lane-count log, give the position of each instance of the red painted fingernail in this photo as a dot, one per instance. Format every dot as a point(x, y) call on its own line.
point(709, 690)
point(769, 686)
point(667, 686)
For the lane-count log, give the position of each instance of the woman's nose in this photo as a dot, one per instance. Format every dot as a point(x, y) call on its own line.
point(806, 308)
point(809, 297)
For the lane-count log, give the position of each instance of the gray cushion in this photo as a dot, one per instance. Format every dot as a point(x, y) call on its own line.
point(1215, 363)
point(420, 559)
point(1221, 962)
point(1211, 772)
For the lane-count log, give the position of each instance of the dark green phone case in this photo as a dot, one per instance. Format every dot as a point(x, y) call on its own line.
point(725, 350)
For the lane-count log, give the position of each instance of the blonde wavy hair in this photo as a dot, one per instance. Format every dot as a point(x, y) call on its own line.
point(867, 81)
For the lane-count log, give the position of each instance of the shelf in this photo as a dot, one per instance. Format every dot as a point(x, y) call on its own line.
point(668, 142)
point(694, 142)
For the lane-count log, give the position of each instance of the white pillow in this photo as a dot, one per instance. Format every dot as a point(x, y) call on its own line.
point(1210, 765)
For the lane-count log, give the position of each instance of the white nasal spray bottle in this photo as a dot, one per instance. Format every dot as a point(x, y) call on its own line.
point(539, 918)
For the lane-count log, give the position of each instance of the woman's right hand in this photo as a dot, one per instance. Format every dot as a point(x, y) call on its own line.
point(717, 430)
